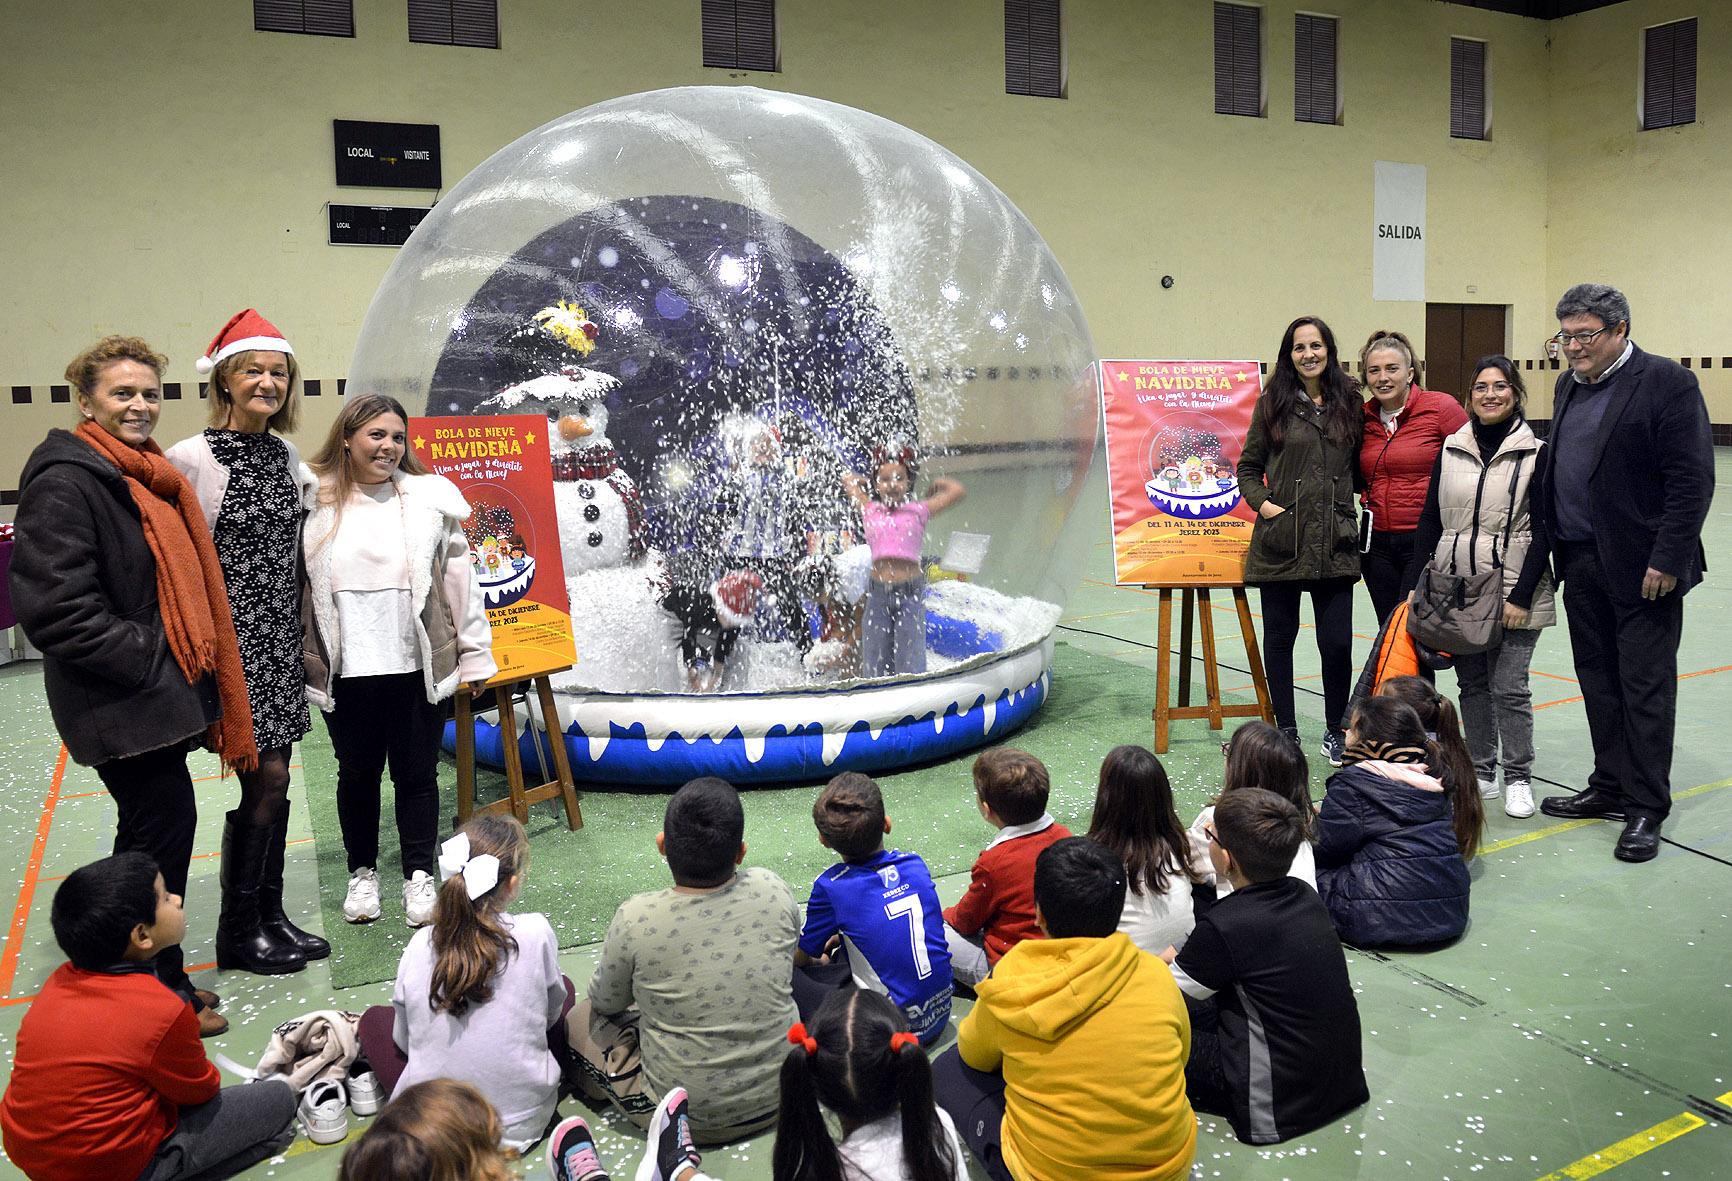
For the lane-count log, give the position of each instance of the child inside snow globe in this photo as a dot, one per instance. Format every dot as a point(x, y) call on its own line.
point(893, 633)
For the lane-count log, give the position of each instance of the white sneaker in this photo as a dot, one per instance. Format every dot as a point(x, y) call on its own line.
point(325, 1112)
point(362, 904)
point(1518, 799)
point(1488, 789)
point(364, 1097)
point(420, 893)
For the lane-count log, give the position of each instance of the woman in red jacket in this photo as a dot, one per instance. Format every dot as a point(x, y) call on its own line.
point(1405, 427)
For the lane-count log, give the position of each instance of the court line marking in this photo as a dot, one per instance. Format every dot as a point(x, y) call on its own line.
point(1701, 672)
point(1630, 1147)
point(27, 888)
point(1565, 826)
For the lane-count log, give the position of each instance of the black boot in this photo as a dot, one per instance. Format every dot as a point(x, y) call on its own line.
point(241, 942)
point(271, 916)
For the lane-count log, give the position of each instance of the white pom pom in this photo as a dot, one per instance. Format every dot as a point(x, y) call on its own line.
point(204, 366)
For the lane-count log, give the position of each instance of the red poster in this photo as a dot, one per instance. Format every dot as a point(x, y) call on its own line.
point(501, 464)
point(1174, 433)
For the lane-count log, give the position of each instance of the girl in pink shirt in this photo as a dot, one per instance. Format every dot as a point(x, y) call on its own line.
point(893, 638)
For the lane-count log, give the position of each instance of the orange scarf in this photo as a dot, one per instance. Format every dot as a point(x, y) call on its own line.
point(190, 590)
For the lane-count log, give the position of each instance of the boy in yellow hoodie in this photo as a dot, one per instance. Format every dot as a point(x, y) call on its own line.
point(1072, 1062)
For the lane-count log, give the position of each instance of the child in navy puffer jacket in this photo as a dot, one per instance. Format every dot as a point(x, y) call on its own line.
point(1388, 865)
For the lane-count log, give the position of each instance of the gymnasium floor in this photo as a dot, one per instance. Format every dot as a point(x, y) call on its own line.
point(1582, 1026)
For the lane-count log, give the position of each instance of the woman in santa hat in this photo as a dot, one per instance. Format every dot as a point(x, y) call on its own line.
point(254, 490)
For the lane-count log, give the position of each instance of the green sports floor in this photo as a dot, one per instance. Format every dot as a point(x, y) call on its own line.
point(1582, 1027)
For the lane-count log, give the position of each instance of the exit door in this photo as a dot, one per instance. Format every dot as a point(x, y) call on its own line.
point(1457, 335)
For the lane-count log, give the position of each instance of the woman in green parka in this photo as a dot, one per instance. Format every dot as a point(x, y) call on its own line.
point(1297, 472)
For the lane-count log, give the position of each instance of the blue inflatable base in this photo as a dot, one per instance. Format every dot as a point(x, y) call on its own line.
point(628, 759)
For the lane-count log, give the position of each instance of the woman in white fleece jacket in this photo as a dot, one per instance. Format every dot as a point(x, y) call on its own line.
point(393, 622)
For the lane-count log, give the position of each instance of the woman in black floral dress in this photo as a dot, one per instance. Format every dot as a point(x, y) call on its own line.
point(251, 484)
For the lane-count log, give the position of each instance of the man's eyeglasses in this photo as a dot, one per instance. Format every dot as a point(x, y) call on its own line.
point(1564, 338)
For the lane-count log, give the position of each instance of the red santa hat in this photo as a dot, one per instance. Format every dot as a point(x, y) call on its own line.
point(245, 332)
point(735, 595)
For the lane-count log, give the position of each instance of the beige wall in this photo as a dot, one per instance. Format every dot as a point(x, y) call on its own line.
point(1647, 210)
point(166, 166)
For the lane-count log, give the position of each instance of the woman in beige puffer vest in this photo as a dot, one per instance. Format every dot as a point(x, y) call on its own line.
point(1485, 508)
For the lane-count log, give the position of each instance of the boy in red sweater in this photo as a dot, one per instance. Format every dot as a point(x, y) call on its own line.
point(997, 912)
point(109, 1079)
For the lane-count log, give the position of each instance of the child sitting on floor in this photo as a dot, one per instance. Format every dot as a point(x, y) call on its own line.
point(108, 1077)
point(859, 1060)
point(1134, 817)
point(1071, 1064)
point(1388, 865)
point(882, 908)
point(479, 994)
point(997, 911)
point(1274, 1026)
point(1259, 755)
point(693, 984)
point(1456, 770)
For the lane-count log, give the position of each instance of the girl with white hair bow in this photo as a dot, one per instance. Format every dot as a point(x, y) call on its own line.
point(479, 995)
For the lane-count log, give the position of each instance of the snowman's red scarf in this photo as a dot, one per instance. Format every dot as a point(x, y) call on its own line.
point(602, 463)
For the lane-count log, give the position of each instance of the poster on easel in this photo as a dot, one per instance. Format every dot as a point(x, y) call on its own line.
point(1174, 430)
point(501, 465)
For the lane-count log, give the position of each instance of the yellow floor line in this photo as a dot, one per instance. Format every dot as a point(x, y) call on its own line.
point(1536, 834)
point(1554, 829)
point(1630, 1147)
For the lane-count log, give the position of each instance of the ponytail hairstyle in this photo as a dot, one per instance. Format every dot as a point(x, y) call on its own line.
point(1259, 755)
point(439, 1130)
point(860, 1061)
point(470, 944)
point(1455, 766)
point(1134, 818)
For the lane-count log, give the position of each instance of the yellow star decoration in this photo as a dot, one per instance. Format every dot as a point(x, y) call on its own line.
point(529, 437)
point(1123, 376)
point(420, 443)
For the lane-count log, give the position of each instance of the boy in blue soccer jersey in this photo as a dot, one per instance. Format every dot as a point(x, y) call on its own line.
point(874, 920)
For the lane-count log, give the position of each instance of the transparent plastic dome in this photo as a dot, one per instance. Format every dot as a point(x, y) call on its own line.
point(752, 286)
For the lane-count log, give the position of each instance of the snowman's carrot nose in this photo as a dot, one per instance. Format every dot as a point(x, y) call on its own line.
point(572, 427)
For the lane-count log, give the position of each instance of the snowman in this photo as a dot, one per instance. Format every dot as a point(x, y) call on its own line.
point(613, 577)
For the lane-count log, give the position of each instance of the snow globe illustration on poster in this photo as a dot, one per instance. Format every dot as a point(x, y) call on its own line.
point(1194, 478)
point(729, 302)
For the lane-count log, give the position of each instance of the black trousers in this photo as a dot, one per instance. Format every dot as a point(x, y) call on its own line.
point(1205, 1075)
point(1384, 568)
point(158, 815)
point(975, 1101)
point(380, 720)
point(1332, 612)
point(1626, 656)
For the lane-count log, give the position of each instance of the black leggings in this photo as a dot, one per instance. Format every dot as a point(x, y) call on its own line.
point(1332, 612)
point(158, 815)
point(1384, 566)
point(263, 791)
point(380, 719)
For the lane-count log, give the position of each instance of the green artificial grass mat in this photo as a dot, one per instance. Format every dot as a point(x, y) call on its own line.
point(579, 878)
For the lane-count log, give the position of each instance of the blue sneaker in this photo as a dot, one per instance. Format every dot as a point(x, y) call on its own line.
point(1334, 746)
point(571, 1154)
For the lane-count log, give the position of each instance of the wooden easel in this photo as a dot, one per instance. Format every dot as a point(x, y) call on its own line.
point(1195, 601)
point(517, 803)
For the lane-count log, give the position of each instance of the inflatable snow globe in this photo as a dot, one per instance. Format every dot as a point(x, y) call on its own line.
point(820, 403)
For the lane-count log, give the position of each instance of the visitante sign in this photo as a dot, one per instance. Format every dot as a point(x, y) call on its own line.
point(387, 155)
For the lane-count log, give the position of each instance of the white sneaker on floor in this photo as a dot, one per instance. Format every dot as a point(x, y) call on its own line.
point(1488, 789)
point(420, 893)
point(1518, 799)
point(364, 1097)
point(362, 904)
point(324, 1112)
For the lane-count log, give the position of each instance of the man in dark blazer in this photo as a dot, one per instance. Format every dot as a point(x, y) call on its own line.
point(1629, 470)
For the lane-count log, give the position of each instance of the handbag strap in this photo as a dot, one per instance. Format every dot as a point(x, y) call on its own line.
point(1509, 521)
